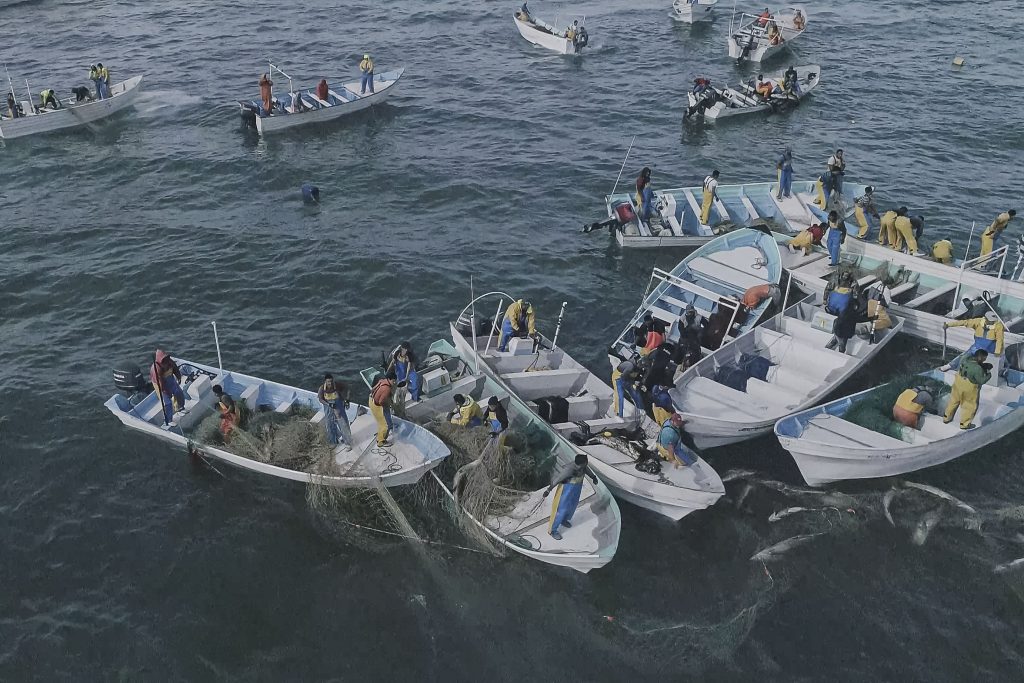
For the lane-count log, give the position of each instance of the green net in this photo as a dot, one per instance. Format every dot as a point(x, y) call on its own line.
point(875, 411)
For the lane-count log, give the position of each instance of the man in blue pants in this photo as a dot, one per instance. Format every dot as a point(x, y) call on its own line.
point(334, 400)
point(569, 481)
point(785, 168)
point(835, 236)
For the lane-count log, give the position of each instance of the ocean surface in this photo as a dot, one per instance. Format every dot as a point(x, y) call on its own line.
point(121, 560)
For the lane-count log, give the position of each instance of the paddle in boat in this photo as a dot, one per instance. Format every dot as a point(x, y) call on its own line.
point(502, 488)
point(758, 37)
point(788, 88)
point(570, 41)
point(780, 367)
point(319, 104)
point(583, 410)
point(693, 11)
point(32, 119)
point(674, 218)
point(714, 281)
point(279, 432)
point(856, 437)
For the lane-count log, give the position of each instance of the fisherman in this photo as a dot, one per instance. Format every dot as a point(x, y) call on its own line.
point(403, 362)
point(14, 111)
point(942, 251)
point(380, 407)
point(659, 367)
point(917, 223)
point(690, 327)
point(819, 191)
point(661, 403)
point(322, 91)
point(791, 81)
point(764, 18)
point(773, 34)
point(878, 296)
point(835, 237)
point(807, 239)
point(993, 231)
point(626, 379)
point(988, 332)
point(570, 33)
point(94, 76)
point(165, 376)
point(836, 170)
point(764, 88)
point(467, 412)
point(710, 195)
point(864, 206)
point(887, 230)
point(701, 85)
point(839, 297)
point(655, 337)
point(334, 398)
point(647, 202)
point(670, 442)
point(520, 321)
point(496, 416)
point(267, 95)
point(48, 98)
point(230, 416)
point(799, 21)
point(366, 67)
point(642, 181)
point(569, 481)
point(754, 296)
point(104, 73)
point(784, 165)
point(909, 406)
point(905, 233)
point(844, 328)
point(972, 374)
point(524, 14)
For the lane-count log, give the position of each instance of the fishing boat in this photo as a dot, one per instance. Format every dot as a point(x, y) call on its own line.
point(413, 453)
point(34, 120)
point(720, 103)
point(579, 407)
point(780, 367)
point(758, 37)
point(828, 445)
point(693, 11)
point(675, 219)
point(301, 107)
point(522, 523)
point(547, 36)
point(713, 280)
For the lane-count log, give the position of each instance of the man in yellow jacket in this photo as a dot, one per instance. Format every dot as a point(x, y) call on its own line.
point(905, 233)
point(519, 321)
point(942, 251)
point(988, 332)
point(993, 231)
point(972, 374)
point(887, 229)
point(909, 406)
point(366, 67)
point(710, 194)
point(467, 412)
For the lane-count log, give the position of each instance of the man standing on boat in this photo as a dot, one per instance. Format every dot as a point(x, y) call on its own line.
point(626, 379)
point(496, 416)
point(519, 321)
point(972, 374)
point(569, 481)
point(836, 171)
point(366, 67)
point(993, 231)
point(104, 79)
point(905, 233)
point(165, 376)
point(267, 94)
point(835, 236)
point(710, 195)
point(380, 407)
point(864, 206)
point(988, 332)
point(334, 398)
point(784, 165)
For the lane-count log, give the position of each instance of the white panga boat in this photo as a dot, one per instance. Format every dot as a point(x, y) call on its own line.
point(757, 38)
point(579, 407)
point(341, 101)
point(71, 114)
point(780, 367)
point(828, 447)
point(521, 524)
point(415, 450)
point(545, 35)
point(675, 222)
point(713, 280)
point(720, 103)
point(693, 11)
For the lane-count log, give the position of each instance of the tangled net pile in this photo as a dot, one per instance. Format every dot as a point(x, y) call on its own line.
point(875, 412)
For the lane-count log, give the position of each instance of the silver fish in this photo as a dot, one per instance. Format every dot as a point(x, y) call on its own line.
point(732, 475)
point(747, 488)
point(776, 516)
point(886, 502)
point(773, 552)
point(1003, 568)
point(941, 494)
point(925, 526)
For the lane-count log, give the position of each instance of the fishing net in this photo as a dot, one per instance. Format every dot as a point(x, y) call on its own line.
point(875, 411)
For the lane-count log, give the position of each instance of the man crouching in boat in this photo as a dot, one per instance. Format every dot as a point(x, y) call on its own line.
point(569, 481)
point(909, 406)
point(670, 442)
point(165, 376)
point(230, 413)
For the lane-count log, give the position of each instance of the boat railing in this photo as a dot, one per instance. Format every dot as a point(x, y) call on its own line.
point(982, 262)
point(273, 68)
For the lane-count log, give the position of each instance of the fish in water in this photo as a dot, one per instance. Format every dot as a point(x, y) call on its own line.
point(747, 488)
point(732, 475)
point(773, 552)
point(925, 526)
point(776, 516)
point(886, 502)
point(941, 494)
point(1010, 566)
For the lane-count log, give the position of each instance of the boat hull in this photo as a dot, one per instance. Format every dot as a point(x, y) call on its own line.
point(122, 96)
point(722, 110)
point(693, 12)
point(562, 46)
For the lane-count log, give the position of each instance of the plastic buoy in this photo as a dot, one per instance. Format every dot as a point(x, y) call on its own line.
point(311, 193)
point(958, 61)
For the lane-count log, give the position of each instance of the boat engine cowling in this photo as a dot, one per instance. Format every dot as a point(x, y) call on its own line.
point(129, 379)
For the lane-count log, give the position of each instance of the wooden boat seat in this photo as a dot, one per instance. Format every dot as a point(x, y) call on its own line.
point(835, 430)
point(928, 297)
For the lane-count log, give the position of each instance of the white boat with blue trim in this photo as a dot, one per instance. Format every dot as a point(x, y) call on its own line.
point(828, 447)
point(301, 107)
point(413, 453)
point(565, 42)
point(71, 114)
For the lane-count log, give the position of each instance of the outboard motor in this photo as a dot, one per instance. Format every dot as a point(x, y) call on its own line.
point(310, 193)
point(129, 379)
point(249, 114)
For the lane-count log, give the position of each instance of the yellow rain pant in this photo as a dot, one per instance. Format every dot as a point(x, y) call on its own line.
point(705, 207)
point(862, 221)
point(883, 321)
point(661, 415)
point(964, 396)
point(886, 231)
point(820, 190)
point(805, 241)
point(615, 391)
point(988, 242)
point(382, 424)
point(905, 231)
point(942, 251)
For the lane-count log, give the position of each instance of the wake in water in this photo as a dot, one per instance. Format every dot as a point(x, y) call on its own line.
point(150, 103)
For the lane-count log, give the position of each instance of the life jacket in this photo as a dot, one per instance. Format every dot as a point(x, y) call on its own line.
point(839, 299)
point(366, 66)
point(905, 401)
point(381, 392)
point(330, 395)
